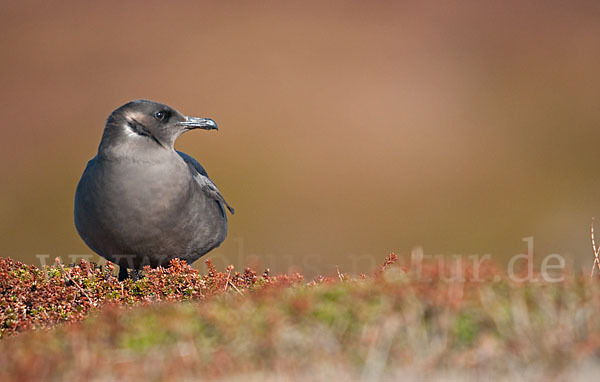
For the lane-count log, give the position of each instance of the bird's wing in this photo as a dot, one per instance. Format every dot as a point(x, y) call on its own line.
point(203, 180)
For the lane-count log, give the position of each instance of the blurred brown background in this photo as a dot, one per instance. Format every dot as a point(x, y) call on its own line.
point(347, 129)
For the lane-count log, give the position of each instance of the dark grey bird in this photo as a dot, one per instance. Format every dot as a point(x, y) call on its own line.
point(139, 201)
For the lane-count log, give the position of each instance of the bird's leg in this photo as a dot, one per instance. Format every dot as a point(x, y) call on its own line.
point(123, 274)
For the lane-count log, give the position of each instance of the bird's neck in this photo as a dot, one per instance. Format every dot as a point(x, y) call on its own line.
point(121, 144)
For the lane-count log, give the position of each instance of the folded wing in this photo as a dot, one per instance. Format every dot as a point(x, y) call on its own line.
point(204, 181)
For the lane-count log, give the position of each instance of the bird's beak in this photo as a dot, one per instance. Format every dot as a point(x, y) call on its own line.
point(199, 123)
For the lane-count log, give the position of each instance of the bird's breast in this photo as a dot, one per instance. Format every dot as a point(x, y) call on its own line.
point(146, 193)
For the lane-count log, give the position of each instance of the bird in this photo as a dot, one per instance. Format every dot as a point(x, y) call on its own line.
point(141, 202)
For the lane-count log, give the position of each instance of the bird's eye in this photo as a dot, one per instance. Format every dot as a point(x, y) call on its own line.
point(160, 115)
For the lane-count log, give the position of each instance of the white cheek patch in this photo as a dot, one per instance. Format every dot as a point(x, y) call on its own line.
point(132, 116)
point(130, 133)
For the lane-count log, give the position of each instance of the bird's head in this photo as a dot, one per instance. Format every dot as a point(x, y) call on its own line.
point(145, 124)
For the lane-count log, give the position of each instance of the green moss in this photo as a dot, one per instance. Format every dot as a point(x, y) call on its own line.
point(465, 329)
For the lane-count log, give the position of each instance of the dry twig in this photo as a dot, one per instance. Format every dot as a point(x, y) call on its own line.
point(234, 287)
point(596, 250)
point(75, 282)
point(229, 269)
